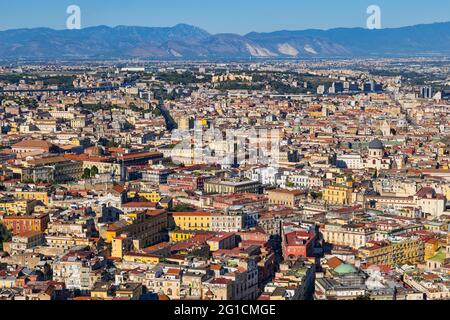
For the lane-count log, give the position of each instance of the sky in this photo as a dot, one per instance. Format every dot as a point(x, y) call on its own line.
point(222, 16)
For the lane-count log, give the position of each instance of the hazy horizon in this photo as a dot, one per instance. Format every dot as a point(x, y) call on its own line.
point(234, 16)
point(192, 25)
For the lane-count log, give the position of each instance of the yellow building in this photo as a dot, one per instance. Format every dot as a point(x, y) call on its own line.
point(141, 257)
point(394, 252)
point(431, 247)
point(66, 242)
point(79, 122)
point(121, 245)
point(152, 196)
point(201, 122)
point(344, 181)
point(200, 221)
point(7, 282)
point(446, 191)
point(288, 198)
point(132, 291)
point(315, 111)
point(180, 235)
point(75, 142)
point(142, 228)
point(102, 291)
point(341, 195)
point(315, 114)
point(39, 209)
point(17, 207)
point(29, 195)
point(435, 226)
point(185, 123)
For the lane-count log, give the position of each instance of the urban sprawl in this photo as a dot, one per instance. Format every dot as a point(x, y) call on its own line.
point(251, 180)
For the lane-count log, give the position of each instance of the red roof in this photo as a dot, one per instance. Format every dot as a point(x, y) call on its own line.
point(220, 281)
point(334, 262)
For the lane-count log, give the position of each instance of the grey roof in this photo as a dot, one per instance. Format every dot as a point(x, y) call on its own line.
point(376, 145)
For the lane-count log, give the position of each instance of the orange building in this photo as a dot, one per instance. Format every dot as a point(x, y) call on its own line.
point(21, 224)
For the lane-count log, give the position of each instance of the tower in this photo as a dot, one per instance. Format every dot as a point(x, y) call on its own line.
point(376, 149)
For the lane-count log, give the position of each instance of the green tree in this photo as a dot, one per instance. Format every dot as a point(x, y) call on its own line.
point(134, 107)
point(86, 173)
point(112, 144)
point(290, 184)
point(94, 171)
point(5, 235)
point(156, 112)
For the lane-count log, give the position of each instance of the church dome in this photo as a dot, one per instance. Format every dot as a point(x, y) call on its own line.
point(345, 269)
point(376, 145)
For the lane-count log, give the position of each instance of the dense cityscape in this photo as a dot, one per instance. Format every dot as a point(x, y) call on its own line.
point(254, 180)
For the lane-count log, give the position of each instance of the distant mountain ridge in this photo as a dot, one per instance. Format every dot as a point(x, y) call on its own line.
point(190, 42)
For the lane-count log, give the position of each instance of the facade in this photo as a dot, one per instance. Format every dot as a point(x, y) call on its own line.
point(230, 187)
point(186, 182)
point(339, 195)
point(152, 196)
point(25, 241)
point(33, 195)
point(354, 236)
point(11, 206)
point(63, 170)
point(286, 198)
point(245, 283)
point(22, 224)
point(79, 270)
point(140, 158)
point(67, 242)
point(218, 289)
point(145, 228)
point(31, 146)
point(227, 222)
point(166, 281)
point(198, 221)
point(426, 199)
point(350, 161)
point(394, 252)
point(298, 244)
point(158, 176)
point(80, 228)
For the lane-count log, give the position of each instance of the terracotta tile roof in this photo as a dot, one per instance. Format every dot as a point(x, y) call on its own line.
point(190, 214)
point(33, 144)
point(220, 281)
point(139, 205)
point(334, 262)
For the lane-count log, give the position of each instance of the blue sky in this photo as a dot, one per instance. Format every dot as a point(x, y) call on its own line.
point(237, 16)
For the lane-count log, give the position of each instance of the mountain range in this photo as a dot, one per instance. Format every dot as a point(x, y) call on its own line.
point(190, 42)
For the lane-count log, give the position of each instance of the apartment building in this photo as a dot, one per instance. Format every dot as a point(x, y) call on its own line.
point(229, 187)
point(146, 228)
point(393, 252)
point(352, 235)
point(193, 221)
point(288, 198)
point(21, 224)
point(339, 195)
